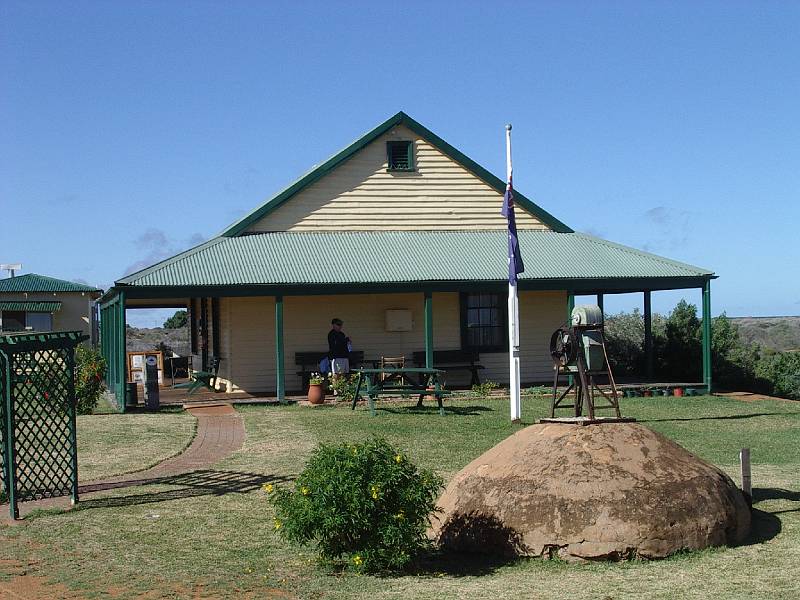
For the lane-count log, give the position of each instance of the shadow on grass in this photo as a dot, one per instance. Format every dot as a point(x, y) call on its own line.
point(720, 418)
point(766, 524)
point(204, 482)
point(760, 494)
point(462, 411)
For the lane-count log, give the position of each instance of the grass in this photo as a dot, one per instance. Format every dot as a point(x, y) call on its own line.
point(113, 444)
point(190, 538)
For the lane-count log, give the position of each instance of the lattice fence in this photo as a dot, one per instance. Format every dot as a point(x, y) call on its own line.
point(37, 405)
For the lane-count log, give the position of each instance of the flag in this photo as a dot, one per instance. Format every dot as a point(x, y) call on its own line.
point(515, 264)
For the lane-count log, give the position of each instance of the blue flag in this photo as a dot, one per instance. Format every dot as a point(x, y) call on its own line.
point(515, 264)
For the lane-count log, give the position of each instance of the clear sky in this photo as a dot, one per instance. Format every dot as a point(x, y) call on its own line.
point(132, 130)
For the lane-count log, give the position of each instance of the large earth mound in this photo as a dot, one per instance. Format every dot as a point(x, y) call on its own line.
point(603, 491)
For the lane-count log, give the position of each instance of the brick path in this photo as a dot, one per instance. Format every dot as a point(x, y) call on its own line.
point(220, 433)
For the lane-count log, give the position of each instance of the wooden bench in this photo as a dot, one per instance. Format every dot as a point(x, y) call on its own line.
point(308, 362)
point(453, 360)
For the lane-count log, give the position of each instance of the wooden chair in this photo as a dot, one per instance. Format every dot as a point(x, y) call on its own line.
point(392, 362)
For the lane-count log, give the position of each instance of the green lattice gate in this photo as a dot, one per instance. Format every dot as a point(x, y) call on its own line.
point(37, 412)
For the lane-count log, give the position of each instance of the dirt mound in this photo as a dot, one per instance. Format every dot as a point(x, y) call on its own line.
point(608, 491)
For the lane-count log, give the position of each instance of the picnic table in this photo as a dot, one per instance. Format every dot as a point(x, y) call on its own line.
point(394, 381)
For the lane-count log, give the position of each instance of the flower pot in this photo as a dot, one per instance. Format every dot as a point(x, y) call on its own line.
point(647, 393)
point(316, 393)
point(677, 392)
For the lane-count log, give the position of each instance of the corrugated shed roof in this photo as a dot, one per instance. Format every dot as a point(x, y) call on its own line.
point(31, 306)
point(286, 258)
point(31, 282)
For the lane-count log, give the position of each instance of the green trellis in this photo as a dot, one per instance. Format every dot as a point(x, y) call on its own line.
point(37, 416)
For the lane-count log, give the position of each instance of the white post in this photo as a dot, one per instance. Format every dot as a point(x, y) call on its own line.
point(513, 321)
point(747, 482)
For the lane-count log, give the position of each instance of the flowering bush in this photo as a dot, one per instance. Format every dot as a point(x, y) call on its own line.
point(344, 386)
point(365, 504)
point(316, 379)
point(90, 368)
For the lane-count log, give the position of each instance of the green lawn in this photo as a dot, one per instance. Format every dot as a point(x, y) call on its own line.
point(115, 444)
point(189, 538)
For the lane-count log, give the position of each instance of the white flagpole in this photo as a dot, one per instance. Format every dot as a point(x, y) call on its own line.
point(513, 320)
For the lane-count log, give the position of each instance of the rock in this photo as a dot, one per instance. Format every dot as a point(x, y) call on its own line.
point(603, 491)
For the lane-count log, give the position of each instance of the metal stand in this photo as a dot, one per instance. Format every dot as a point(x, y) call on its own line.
point(570, 359)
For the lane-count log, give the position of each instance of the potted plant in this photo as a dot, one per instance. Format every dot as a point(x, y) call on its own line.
point(678, 391)
point(647, 392)
point(316, 388)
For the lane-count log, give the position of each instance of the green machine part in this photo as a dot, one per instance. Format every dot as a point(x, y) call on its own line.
point(588, 319)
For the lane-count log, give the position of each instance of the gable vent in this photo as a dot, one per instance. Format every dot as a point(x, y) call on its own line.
point(400, 156)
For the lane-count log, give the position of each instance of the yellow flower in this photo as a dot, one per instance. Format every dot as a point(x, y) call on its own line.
point(267, 487)
point(398, 459)
point(400, 516)
point(277, 524)
point(305, 491)
point(357, 560)
point(374, 492)
point(355, 451)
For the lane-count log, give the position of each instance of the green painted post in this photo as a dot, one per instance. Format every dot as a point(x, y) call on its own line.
point(570, 306)
point(648, 334)
point(121, 354)
point(8, 439)
point(707, 335)
point(279, 367)
point(428, 330)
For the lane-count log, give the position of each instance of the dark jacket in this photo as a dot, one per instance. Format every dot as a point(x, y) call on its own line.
point(337, 345)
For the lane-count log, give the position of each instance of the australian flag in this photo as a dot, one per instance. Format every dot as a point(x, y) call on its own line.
point(515, 265)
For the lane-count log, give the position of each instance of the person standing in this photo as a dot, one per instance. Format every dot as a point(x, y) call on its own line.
point(339, 346)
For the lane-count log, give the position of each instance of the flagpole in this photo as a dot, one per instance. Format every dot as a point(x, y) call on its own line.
point(513, 318)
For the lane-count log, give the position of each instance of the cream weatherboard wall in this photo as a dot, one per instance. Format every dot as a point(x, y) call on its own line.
point(247, 334)
point(75, 313)
point(361, 195)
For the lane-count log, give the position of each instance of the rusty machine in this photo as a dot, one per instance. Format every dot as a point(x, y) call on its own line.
point(579, 353)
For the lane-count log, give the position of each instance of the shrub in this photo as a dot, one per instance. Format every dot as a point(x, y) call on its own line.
point(365, 504)
point(344, 386)
point(176, 321)
point(90, 368)
point(781, 374)
point(481, 390)
point(3, 496)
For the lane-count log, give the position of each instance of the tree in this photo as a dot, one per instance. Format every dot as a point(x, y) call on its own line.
point(177, 320)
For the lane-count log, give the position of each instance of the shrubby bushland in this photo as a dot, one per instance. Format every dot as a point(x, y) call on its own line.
point(782, 372)
point(677, 352)
point(90, 369)
point(363, 504)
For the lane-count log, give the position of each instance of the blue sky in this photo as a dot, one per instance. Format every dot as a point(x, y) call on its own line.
point(134, 130)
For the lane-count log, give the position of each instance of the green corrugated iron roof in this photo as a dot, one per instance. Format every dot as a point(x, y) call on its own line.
point(400, 118)
point(324, 258)
point(31, 282)
point(30, 306)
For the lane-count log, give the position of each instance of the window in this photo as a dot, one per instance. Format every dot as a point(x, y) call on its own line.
point(39, 321)
point(13, 320)
point(400, 156)
point(483, 322)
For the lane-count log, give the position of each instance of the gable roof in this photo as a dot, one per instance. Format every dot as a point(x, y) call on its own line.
point(329, 165)
point(31, 282)
point(293, 259)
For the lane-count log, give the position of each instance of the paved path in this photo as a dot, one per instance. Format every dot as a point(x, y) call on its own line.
point(220, 433)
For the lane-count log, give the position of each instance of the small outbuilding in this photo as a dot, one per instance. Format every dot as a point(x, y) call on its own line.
point(37, 303)
point(399, 235)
